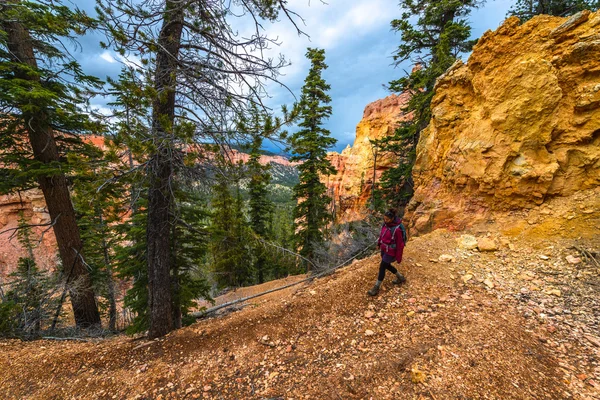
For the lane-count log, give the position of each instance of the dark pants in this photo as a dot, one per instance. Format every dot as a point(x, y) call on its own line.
point(382, 267)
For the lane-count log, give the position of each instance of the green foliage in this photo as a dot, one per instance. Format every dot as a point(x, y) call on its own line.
point(189, 250)
point(231, 238)
point(29, 302)
point(434, 42)
point(527, 9)
point(59, 89)
point(129, 148)
point(309, 145)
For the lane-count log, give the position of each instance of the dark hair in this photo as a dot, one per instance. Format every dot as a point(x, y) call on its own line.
point(390, 213)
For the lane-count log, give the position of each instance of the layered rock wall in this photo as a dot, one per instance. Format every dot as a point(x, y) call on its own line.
point(351, 187)
point(516, 125)
point(32, 205)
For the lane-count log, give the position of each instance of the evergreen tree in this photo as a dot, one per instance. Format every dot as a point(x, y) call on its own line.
point(198, 63)
point(42, 93)
point(100, 208)
point(189, 248)
point(309, 145)
point(230, 250)
point(129, 146)
point(258, 125)
point(131, 264)
point(434, 41)
point(29, 302)
point(261, 207)
point(527, 9)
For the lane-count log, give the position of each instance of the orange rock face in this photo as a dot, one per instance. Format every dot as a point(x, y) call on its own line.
point(31, 203)
point(351, 187)
point(516, 126)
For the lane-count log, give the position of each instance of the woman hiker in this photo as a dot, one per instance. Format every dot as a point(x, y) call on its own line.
point(391, 243)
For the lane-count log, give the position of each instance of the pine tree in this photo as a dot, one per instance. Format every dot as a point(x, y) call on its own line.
point(309, 145)
point(261, 208)
point(189, 249)
point(42, 92)
point(527, 9)
point(434, 41)
point(230, 250)
point(100, 208)
point(198, 62)
point(29, 302)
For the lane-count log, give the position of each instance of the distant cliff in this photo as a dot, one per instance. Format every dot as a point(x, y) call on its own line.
point(351, 187)
point(31, 203)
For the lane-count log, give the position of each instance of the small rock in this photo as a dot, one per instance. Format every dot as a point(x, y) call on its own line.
point(389, 335)
point(544, 257)
point(466, 278)
point(417, 376)
point(446, 258)
point(488, 283)
point(369, 314)
point(312, 292)
point(593, 340)
point(412, 300)
point(486, 244)
point(467, 242)
point(554, 292)
point(369, 332)
point(573, 260)
point(410, 314)
point(207, 388)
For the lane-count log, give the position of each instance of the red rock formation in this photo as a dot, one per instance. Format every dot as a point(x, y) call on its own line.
point(32, 204)
point(351, 186)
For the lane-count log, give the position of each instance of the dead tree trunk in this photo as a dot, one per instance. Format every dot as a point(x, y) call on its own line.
point(54, 185)
point(161, 172)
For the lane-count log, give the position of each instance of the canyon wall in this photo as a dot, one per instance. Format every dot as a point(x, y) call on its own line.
point(516, 126)
point(33, 208)
point(351, 187)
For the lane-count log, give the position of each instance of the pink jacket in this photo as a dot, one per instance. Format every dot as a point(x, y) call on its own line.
point(392, 246)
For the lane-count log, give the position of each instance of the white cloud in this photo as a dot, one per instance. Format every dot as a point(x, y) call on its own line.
point(106, 56)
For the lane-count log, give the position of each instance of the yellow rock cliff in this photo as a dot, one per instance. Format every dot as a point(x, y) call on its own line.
point(515, 126)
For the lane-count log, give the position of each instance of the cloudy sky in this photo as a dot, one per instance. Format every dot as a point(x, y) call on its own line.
point(358, 46)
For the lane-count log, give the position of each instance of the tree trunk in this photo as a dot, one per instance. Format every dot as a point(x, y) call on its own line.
point(55, 188)
point(161, 172)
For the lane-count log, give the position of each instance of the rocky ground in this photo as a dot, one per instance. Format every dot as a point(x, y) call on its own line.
point(517, 321)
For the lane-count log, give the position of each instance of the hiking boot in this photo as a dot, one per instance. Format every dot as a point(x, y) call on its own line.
point(375, 290)
point(400, 279)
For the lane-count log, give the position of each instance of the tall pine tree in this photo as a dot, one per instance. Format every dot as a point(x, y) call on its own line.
point(309, 146)
point(204, 73)
point(42, 92)
point(230, 251)
point(434, 33)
